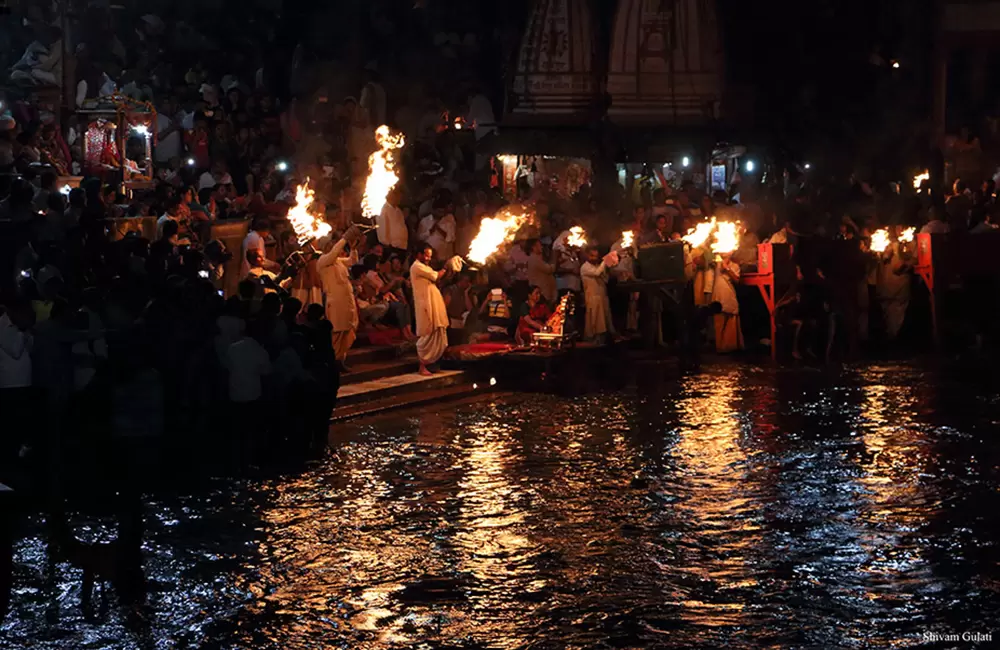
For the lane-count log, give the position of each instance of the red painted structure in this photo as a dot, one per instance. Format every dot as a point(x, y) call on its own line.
point(775, 269)
point(944, 261)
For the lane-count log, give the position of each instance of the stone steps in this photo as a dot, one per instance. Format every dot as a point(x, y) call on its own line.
point(413, 399)
point(362, 372)
point(383, 378)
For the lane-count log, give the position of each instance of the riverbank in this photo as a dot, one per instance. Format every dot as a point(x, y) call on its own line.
point(745, 506)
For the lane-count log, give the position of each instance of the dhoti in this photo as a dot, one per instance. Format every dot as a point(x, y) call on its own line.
point(728, 335)
point(894, 312)
point(342, 342)
point(431, 347)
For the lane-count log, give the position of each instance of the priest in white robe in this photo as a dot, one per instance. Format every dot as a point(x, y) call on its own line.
point(429, 307)
point(594, 274)
point(892, 287)
point(728, 330)
point(334, 271)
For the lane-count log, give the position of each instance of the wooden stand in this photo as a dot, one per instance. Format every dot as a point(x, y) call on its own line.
point(949, 260)
point(774, 267)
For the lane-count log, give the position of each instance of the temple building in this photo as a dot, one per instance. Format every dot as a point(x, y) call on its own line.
point(640, 85)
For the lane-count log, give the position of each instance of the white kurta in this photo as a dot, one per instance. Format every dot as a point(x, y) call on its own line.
point(392, 227)
point(723, 288)
point(567, 263)
point(438, 235)
point(541, 274)
point(334, 273)
point(253, 241)
point(431, 313)
point(595, 293)
point(428, 304)
point(892, 286)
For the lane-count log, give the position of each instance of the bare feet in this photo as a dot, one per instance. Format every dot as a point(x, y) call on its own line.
point(424, 371)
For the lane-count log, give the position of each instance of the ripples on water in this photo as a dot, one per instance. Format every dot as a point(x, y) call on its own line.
point(739, 508)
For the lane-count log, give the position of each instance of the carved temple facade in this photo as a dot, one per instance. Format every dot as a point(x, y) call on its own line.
point(663, 64)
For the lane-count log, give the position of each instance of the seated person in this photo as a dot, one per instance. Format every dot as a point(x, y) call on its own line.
point(460, 302)
point(390, 291)
point(261, 276)
point(496, 315)
point(533, 315)
point(371, 310)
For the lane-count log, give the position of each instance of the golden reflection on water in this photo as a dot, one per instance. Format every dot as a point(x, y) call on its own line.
point(895, 501)
point(710, 463)
point(488, 537)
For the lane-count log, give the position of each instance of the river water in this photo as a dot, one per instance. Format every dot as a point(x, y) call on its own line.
point(740, 508)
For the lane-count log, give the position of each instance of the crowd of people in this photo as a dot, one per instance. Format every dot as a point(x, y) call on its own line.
point(135, 332)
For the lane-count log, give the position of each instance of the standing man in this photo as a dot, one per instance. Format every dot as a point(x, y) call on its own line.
point(341, 310)
point(168, 134)
point(595, 292)
point(391, 223)
point(728, 332)
point(567, 264)
point(432, 314)
point(438, 229)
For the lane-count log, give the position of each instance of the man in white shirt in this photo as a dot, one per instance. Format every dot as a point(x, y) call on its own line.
point(391, 223)
point(935, 225)
point(168, 133)
point(429, 308)
point(438, 231)
point(595, 292)
point(172, 214)
point(256, 239)
point(248, 363)
point(15, 346)
point(20, 415)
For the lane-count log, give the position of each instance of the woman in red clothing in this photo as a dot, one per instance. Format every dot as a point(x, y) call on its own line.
point(534, 313)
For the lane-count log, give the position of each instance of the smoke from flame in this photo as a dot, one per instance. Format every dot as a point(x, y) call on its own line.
point(880, 240)
point(306, 226)
point(493, 232)
point(381, 171)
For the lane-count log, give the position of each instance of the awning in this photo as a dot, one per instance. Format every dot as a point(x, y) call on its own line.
point(629, 143)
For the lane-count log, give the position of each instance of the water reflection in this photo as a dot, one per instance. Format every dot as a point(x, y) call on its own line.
point(739, 508)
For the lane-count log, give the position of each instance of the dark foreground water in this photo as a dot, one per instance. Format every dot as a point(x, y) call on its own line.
point(742, 508)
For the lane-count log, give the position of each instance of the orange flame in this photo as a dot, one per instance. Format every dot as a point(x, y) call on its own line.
point(306, 226)
point(577, 238)
point(727, 237)
point(880, 240)
point(493, 232)
point(907, 235)
point(698, 235)
point(627, 239)
point(381, 171)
